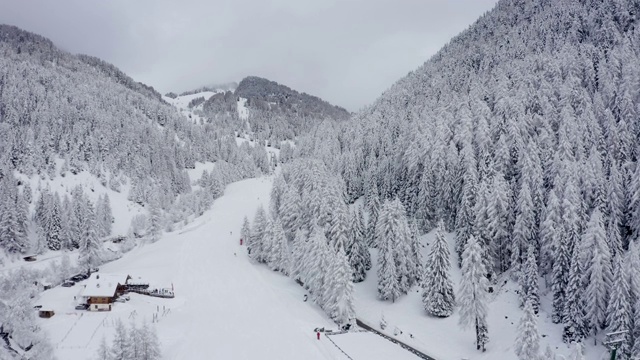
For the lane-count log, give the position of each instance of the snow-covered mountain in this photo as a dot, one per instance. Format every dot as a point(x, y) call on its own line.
point(523, 133)
point(265, 109)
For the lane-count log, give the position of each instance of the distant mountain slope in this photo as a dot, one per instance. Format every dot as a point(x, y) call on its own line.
point(275, 112)
point(263, 94)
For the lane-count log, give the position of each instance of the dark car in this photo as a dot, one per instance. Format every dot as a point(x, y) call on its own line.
point(76, 277)
point(82, 306)
point(68, 283)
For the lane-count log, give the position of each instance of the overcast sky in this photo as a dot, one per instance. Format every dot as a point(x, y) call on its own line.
point(346, 52)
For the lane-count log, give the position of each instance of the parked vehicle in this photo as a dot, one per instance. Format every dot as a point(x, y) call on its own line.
point(68, 283)
point(82, 306)
point(37, 307)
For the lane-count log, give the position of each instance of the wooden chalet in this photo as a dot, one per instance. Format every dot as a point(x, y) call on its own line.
point(46, 313)
point(103, 289)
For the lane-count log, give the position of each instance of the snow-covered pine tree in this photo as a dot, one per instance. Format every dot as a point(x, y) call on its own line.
point(245, 231)
point(269, 246)
point(598, 275)
point(254, 243)
point(374, 214)
point(438, 296)
point(574, 316)
point(619, 309)
point(340, 307)
point(549, 232)
point(11, 239)
point(54, 226)
point(90, 247)
point(529, 281)
point(291, 212)
point(358, 255)
point(499, 223)
point(614, 207)
point(632, 264)
point(523, 230)
point(149, 344)
point(155, 220)
point(282, 260)
point(481, 229)
point(120, 347)
point(104, 215)
point(360, 232)
point(277, 194)
point(527, 345)
point(473, 292)
point(318, 262)
point(300, 248)
point(415, 263)
point(103, 353)
point(465, 216)
point(388, 285)
point(339, 228)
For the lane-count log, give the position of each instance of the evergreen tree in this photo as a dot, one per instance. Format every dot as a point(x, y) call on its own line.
point(359, 256)
point(339, 228)
point(155, 220)
point(529, 281)
point(598, 275)
point(291, 212)
point(372, 222)
point(340, 303)
point(527, 345)
point(11, 239)
point(54, 225)
point(619, 309)
point(472, 294)
point(388, 285)
point(120, 348)
point(300, 248)
point(254, 246)
point(549, 234)
point(245, 231)
point(499, 223)
point(414, 258)
point(90, 247)
point(437, 288)
point(149, 344)
point(523, 230)
point(465, 216)
point(574, 317)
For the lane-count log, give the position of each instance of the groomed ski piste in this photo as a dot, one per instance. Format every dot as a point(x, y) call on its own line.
point(225, 306)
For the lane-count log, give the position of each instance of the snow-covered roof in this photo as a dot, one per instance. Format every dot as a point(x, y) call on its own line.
point(103, 285)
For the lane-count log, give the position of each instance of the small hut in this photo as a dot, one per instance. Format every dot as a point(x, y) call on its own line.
point(46, 313)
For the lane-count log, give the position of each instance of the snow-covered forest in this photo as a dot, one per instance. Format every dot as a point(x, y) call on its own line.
point(519, 141)
point(521, 135)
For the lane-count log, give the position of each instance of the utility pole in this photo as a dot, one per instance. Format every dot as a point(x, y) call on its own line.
point(613, 341)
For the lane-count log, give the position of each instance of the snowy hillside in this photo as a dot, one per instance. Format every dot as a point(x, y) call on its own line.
point(224, 307)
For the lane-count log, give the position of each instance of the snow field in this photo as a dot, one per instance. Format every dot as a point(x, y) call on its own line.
point(226, 307)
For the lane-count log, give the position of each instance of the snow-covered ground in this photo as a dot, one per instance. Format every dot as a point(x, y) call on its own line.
point(182, 104)
point(442, 338)
point(226, 307)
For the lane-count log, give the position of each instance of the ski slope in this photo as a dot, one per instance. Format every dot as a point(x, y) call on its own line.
point(226, 307)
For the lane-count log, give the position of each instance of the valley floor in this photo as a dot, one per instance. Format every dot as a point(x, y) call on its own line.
point(226, 307)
